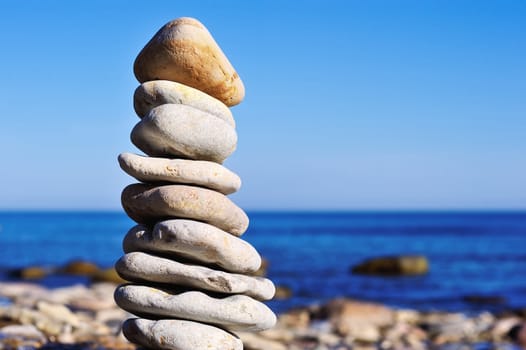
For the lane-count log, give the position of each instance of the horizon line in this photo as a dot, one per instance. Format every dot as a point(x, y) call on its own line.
point(286, 210)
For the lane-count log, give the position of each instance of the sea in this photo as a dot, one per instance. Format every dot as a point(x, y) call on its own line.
point(473, 256)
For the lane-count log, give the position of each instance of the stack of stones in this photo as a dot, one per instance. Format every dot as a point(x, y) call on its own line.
point(192, 276)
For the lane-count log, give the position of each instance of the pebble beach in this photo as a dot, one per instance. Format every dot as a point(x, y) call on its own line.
point(86, 317)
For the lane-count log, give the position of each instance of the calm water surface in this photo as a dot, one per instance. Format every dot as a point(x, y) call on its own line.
point(470, 253)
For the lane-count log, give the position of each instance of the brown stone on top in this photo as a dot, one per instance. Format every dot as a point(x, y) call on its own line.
point(147, 204)
point(184, 51)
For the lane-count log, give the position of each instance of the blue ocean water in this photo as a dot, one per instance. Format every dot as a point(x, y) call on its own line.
point(311, 252)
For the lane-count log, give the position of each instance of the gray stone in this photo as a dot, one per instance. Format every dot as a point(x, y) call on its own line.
point(194, 172)
point(236, 313)
point(139, 267)
point(183, 131)
point(194, 240)
point(147, 204)
point(184, 51)
point(158, 92)
point(27, 331)
point(257, 342)
point(178, 335)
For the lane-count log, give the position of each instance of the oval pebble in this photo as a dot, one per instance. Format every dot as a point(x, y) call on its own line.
point(173, 130)
point(158, 92)
point(194, 172)
point(183, 50)
point(141, 267)
point(236, 312)
point(147, 204)
point(194, 240)
point(178, 335)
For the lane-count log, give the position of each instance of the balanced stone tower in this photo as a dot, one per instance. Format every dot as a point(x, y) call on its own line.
point(192, 285)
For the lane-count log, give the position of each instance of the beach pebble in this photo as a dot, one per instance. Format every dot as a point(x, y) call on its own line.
point(257, 342)
point(360, 319)
point(194, 172)
point(196, 241)
point(237, 312)
point(158, 92)
point(143, 267)
point(148, 203)
point(178, 335)
point(58, 312)
point(184, 51)
point(22, 290)
point(182, 131)
point(27, 332)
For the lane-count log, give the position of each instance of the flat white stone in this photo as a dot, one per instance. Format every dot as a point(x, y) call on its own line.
point(147, 204)
point(236, 312)
point(139, 267)
point(154, 93)
point(183, 171)
point(182, 131)
point(196, 241)
point(178, 335)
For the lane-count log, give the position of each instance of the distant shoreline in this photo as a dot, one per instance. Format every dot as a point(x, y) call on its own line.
point(520, 211)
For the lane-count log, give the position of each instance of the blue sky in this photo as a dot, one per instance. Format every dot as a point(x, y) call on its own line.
point(349, 104)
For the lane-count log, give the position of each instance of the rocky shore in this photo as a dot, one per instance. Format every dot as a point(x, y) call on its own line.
point(86, 317)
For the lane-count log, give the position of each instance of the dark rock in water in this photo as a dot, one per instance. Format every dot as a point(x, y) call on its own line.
point(80, 268)
point(108, 275)
point(282, 293)
point(484, 299)
point(29, 273)
point(403, 265)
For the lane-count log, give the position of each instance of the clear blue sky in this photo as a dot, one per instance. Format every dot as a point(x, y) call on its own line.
point(349, 104)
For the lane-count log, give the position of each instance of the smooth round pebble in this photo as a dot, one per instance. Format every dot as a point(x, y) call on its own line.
point(141, 267)
point(236, 313)
point(196, 241)
point(182, 131)
point(194, 172)
point(184, 51)
point(178, 335)
point(147, 204)
point(158, 92)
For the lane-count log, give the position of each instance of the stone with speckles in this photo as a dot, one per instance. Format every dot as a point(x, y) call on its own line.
point(196, 241)
point(143, 267)
point(178, 335)
point(147, 204)
point(183, 171)
point(184, 51)
point(235, 313)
